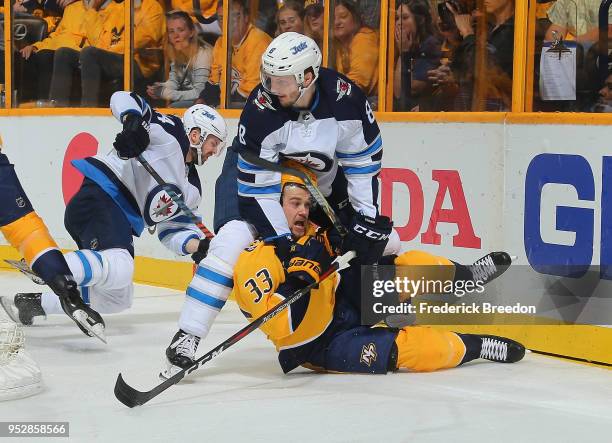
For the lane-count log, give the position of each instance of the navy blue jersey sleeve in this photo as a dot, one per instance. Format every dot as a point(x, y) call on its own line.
point(359, 149)
point(258, 189)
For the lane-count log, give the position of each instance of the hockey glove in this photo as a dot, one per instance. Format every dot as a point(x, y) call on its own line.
point(308, 260)
point(284, 246)
point(134, 138)
point(368, 237)
point(202, 251)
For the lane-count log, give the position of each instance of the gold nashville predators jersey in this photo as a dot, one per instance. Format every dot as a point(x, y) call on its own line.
point(259, 279)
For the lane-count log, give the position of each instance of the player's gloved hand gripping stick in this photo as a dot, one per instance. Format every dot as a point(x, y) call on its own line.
point(131, 397)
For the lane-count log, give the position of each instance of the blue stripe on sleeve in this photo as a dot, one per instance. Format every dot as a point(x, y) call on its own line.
point(365, 153)
point(255, 190)
point(354, 170)
point(191, 237)
point(166, 232)
point(243, 164)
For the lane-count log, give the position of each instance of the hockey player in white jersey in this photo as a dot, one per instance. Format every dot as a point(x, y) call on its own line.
point(318, 118)
point(118, 198)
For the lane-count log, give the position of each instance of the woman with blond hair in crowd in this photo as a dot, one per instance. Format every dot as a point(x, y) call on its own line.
point(356, 47)
point(290, 17)
point(189, 63)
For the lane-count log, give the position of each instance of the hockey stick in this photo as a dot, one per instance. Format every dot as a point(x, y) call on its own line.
point(23, 267)
point(79, 315)
point(131, 397)
point(314, 190)
point(175, 197)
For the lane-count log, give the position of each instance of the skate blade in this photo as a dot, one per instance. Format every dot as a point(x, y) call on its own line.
point(169, 372)
point(8, 308)
point(96, 330)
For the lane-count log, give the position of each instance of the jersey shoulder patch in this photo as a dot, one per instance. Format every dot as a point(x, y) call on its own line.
point(259, 118)
point(342, 95)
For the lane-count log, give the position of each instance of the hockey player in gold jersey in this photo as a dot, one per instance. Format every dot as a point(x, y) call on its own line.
point(322, 330)
point(27, 233)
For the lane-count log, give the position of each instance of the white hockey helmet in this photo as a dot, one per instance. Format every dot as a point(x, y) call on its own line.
point(290, 53)
point(209, 122)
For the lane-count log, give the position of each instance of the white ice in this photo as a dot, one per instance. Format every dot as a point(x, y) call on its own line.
point(242, 395)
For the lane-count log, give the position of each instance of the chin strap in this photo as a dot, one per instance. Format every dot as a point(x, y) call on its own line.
point(303, 90)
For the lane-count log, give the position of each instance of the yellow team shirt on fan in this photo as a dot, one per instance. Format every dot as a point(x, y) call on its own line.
point(208, 8)
point(70, 32)
point(106, 30)
point(359, 61)
point(246, 58)
point(257, 275)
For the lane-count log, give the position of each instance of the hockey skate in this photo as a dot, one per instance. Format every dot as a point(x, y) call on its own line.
point(180, 354)
point(87, 319)
point(501, 349)
point(22, 308)
point(491, 266)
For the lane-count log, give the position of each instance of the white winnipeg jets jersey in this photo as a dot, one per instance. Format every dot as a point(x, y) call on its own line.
point(337, 131)
point(135, 191)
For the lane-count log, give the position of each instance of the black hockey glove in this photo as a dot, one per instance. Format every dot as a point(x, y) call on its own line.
point(134, 138)
point(304, 263)
point(284, 245)
point(308, 262)
point(202, 251)
point(368, 237)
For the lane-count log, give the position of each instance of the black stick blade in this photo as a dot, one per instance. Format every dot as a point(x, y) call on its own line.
point(128, 395)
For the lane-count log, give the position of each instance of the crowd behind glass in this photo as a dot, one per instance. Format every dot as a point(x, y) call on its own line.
point(455, 55)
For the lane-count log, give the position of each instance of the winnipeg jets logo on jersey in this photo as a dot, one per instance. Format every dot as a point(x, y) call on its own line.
point(342, 88)
point(159, 206)
point(368, 354)
point(314, 160)
point(263, 100)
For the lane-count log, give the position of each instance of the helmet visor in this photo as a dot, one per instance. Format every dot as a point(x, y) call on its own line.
point(284, 85)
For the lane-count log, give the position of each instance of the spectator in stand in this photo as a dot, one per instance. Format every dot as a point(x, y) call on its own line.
point(313, 21)
point(103, 58)
point(38, 57)
point(203, 17)
point(580, 18)
point(189, 63)
point(356, 48)
point(418, 43)
point(604, 104)
point(290, 17)
point(497, 75)
point(248, 44)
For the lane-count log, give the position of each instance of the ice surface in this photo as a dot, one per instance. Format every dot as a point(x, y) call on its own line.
point(243, 395)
